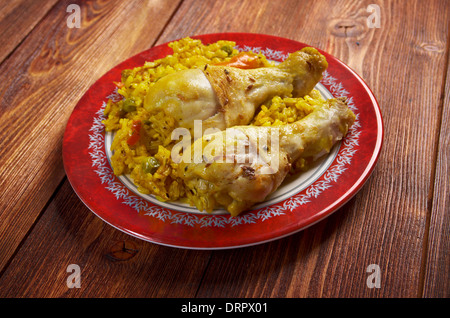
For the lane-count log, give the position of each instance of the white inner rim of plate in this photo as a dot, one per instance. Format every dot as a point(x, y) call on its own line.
point(291, 186)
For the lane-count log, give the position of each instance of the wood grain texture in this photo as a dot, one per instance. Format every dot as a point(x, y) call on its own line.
point(387, 220)
point(68, 233)
point(41, 83)
point(399, 220)
point(17, 19)
point(437, 279)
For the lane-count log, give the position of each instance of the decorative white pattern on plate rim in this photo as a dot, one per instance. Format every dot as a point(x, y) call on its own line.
point(103, 169)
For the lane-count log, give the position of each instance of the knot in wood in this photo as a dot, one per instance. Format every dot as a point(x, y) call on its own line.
point(347, 28)
point(122, 251)
point(432, 47)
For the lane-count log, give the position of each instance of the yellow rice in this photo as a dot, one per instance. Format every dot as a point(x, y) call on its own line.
point(155, 137)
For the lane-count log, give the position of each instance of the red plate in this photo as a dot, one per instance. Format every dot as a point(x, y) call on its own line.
point(299, 203)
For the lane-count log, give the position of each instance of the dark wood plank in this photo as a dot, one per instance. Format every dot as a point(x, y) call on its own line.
point(69, 234)
point(437, 277)
point(385, 224)
point(17, 19)
point(293, 267)
point(41, 83)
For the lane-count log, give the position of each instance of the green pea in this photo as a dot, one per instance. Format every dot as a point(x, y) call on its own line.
point(227, 49)
point(128, 105)
point(150, 165)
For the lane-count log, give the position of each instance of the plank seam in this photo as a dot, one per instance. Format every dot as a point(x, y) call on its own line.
point(423, 266)
point(36, 221)
point(28, 34)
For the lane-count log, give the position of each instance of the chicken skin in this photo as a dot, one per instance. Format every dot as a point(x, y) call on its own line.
point(223, 96)
point(239, 179)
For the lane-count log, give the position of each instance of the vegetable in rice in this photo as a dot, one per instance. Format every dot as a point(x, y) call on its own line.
point(142, 142)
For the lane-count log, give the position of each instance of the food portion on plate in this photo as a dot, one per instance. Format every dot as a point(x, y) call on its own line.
point(237, 180)
point(219, 128)
point(222, 95)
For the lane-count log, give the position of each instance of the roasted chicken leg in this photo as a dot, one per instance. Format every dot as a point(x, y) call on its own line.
point(238, 180)
point(223, 96)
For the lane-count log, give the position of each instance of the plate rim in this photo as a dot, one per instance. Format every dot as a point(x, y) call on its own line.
point(312, 220)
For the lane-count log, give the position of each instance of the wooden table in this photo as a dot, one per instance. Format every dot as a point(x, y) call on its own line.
point(399, 220)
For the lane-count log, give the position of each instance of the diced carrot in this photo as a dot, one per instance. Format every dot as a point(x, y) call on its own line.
point(135, 133)
point(119, 84)
point(244, 60)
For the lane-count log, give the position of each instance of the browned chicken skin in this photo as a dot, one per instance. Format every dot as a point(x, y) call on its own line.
point(224, 96)
point(240, 179)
